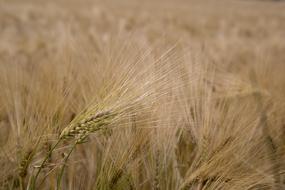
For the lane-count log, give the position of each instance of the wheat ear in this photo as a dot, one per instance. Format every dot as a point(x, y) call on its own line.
point(77, 131)
point(80, 131)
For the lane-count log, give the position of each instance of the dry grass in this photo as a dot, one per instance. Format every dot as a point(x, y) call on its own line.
point(142, 95)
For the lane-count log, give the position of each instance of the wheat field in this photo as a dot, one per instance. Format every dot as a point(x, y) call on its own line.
point(142, 95)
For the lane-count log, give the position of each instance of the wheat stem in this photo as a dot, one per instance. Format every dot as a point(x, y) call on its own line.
point(63, 167)
point(43, 163)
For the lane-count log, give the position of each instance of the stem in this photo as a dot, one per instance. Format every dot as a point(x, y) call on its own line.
point(63, 167)
point(43, 163)
point(22, 185)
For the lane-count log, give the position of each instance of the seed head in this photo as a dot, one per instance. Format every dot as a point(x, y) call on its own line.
point(82, 129)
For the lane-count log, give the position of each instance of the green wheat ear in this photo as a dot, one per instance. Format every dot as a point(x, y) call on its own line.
point(80, 130)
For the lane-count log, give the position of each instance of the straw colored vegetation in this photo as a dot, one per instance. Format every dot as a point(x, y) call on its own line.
point(125, 95)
